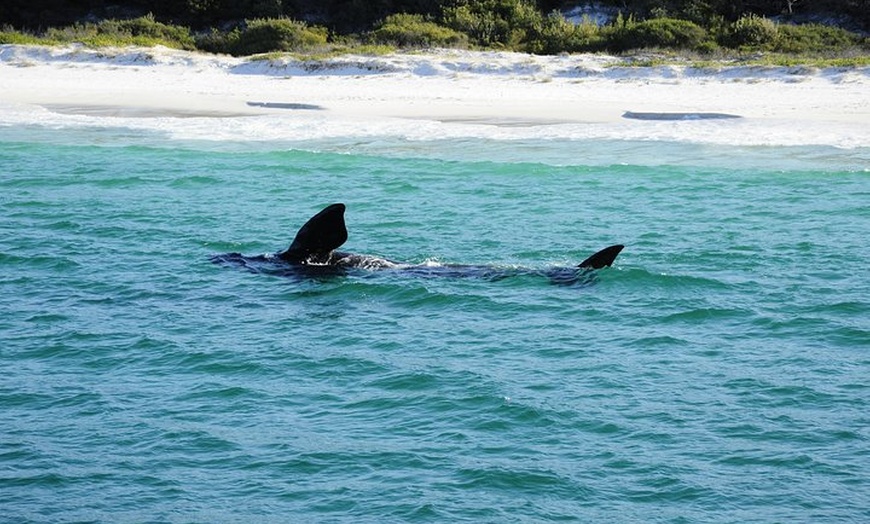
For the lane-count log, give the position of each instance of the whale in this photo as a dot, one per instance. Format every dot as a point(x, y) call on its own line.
point(314, 254)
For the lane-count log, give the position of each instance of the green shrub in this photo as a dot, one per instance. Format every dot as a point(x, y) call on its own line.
point(277, 34)
point(657, 32)
point(554, 34)
point(751, 32)
point(404, 30)
point(144, 31)
point(214, 41)
point(11, 36)
point(814, 38)
point(587, 36)
point(494, 23)
point(72, 33)
point(146, 28)
point(707, 47)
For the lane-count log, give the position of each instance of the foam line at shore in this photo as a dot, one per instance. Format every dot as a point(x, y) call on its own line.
point(440, 94)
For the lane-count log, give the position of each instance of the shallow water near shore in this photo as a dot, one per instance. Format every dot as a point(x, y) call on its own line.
point(717, 373)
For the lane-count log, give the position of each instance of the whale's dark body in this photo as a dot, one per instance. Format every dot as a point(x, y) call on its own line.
point(313, 254)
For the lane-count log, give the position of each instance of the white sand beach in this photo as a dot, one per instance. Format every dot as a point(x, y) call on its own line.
point(438, 93)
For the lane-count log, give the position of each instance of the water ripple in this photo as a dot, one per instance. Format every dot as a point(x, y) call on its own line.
point(716, 373)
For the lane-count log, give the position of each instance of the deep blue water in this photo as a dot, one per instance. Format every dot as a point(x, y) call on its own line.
point(717, 373)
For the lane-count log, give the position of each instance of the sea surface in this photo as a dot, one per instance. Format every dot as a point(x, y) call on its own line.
point(718, 372)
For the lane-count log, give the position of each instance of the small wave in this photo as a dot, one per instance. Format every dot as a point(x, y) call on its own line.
point(410, 293)
point(708, 314)
point(665, 341)
point(759, 392)
point(195, 181)
point(643, 277)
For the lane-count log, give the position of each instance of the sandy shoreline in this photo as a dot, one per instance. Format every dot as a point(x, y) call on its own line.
point(455, 87)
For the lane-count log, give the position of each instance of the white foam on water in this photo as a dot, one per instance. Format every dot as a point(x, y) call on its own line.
point(434, 96)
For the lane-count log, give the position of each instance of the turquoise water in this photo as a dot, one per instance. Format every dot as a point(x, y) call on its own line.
point(717, 373)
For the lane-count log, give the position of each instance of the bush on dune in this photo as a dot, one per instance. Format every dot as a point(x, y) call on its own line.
point(654, 33)
point(277, 34)
point(405, 30)
point(11, 36)
point(219, 42)
point(750, 32)
point(494, 23)
point(815, 38)
point(149, 28)
point(753, 33)
point(145, 31)
point(517, 25)
point(554, 34)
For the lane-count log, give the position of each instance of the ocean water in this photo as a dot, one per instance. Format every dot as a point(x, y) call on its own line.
point(717, 373)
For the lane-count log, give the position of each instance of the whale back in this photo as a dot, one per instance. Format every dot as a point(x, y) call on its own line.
point(323, 233)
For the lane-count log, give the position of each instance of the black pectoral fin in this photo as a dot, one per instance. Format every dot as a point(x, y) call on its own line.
point(603, 258)
point(323, 233)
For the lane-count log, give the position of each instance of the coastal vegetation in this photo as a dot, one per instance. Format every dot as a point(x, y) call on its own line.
point(710, 28)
